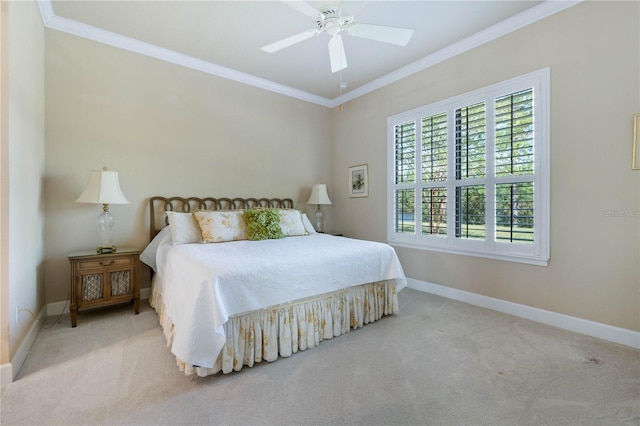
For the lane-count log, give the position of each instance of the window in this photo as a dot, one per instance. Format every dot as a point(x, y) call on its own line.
point(470, 174)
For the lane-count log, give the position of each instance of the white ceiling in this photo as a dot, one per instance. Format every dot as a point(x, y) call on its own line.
point(224, 37)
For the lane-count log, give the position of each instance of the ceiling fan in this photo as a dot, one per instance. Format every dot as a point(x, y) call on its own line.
point(330, 20)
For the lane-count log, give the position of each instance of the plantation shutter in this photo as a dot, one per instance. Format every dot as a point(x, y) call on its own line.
point(434, 173)
point(434, 148)
point(405, 155)
point(470, 164)
point(514, 134)
point(405, 173)
point(470, 141)
point(514, 157)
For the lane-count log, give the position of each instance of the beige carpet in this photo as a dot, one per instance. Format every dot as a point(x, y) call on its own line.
point(438, 362)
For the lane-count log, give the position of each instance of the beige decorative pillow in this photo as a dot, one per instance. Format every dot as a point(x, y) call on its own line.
point(184, 229)
point(221, 226)
point(291, 222)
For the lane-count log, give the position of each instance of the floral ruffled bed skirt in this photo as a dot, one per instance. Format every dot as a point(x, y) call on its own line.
point(283, 330)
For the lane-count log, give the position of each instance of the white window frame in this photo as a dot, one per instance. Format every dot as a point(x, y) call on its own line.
point(536, 253)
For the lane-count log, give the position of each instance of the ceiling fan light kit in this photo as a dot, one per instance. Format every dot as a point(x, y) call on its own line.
point(330, 20)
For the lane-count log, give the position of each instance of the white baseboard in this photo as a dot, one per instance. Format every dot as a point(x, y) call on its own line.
point(6, 376)
point(590, 328)
point(58, 308)
point(10, 371)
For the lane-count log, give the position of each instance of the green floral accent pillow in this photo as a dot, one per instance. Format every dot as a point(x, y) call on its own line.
point(263, 224)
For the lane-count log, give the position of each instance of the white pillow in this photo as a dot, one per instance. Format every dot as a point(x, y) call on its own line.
point(148, 255)
point(307, 224)
point(221, 226)
point(184, 229)
point(291, 222)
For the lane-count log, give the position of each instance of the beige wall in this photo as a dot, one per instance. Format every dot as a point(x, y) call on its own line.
point(593, 50)
point(26, 139)
point(167, 130)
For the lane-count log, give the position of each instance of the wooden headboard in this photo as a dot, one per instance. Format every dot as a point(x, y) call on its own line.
point(158, 206)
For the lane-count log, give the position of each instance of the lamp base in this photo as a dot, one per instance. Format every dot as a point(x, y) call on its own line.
point(105, 250)
point(105, 228)
point(319, 216)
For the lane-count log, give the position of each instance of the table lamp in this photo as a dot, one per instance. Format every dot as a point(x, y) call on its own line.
point(319, 197)
point(103, 188)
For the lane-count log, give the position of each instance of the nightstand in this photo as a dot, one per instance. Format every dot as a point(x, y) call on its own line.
point(99, 280)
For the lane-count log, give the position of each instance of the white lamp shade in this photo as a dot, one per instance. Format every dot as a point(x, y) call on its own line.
point(319, 195)
point(103, 187)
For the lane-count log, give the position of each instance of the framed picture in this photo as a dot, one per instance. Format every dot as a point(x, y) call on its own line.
point(635, 161)
point(358, 181)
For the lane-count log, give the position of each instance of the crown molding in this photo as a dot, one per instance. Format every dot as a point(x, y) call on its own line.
point(69, 26)
point(529, 16)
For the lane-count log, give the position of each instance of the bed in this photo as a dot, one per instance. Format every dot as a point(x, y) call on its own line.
point(228, 297)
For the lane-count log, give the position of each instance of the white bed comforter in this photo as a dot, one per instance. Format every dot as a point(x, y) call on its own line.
point(203, 285)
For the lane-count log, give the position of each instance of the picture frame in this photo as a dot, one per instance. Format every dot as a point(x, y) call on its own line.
point(635, 153)
point(359, 181)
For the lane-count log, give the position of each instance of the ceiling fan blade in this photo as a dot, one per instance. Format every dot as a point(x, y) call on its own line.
point(336, 54)
point(305, 8)
point(289, 41)
point(393, 35)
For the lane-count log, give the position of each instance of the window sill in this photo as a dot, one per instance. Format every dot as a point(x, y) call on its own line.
point(509, 257)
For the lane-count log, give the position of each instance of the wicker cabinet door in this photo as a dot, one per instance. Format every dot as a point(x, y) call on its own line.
point(92, 287)
point(120, 283)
